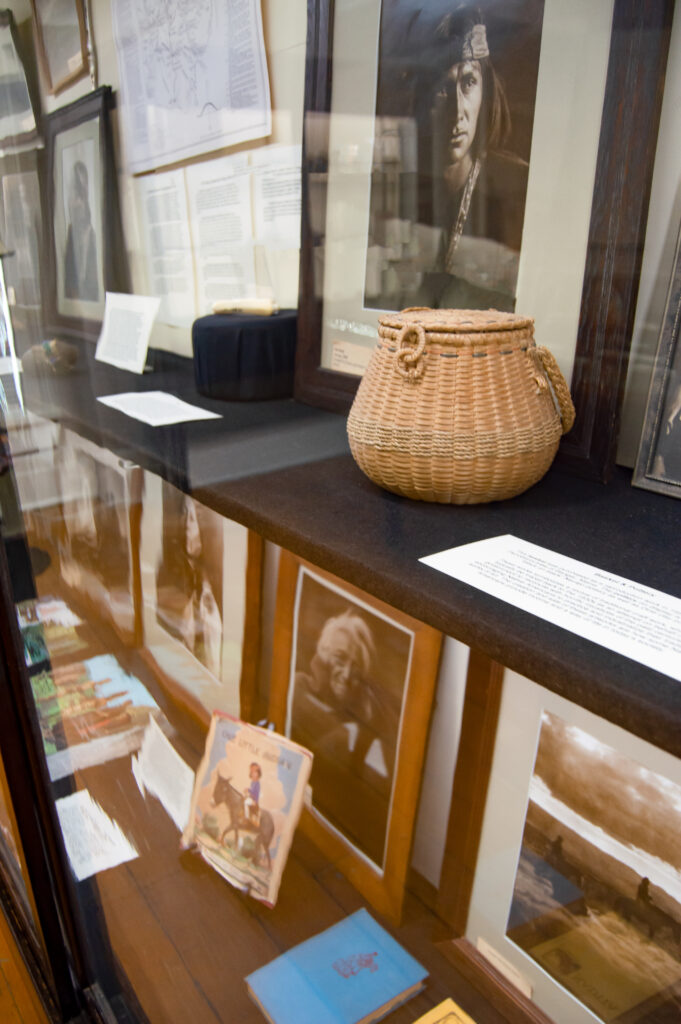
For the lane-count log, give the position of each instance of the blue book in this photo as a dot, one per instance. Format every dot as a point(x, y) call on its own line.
point(352, 973)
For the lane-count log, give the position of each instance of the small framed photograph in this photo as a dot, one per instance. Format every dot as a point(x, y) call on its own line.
point(62, 41)
point(201, 594)
point(86, 250)
point(17, 114)
point(353, 681)
point(99, 545)
point(576, 890)
point(658, 467)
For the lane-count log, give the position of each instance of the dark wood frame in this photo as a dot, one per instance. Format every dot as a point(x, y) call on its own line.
point(383, 889)
point(626, 151)
point(668, 352)
point(469, 793)
point(55, 87)
point(97, 104)
point(26, 138)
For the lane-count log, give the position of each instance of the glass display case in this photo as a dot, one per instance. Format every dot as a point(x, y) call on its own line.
point(258, 759)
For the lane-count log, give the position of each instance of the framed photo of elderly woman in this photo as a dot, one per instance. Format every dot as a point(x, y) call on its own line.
point(86, 251)
point(452, 159)
point(353, 681)
point(658, 467)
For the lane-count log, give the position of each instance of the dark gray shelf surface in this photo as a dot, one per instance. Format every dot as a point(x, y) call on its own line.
point(284, 470)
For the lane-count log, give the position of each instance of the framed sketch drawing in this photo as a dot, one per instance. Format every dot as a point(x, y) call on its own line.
point(450, 158)
point(201, 593)
point(576, 892)
point(353, 680)
point(62, 41)
point(658, 467)
point(17, 111)
point(86, 250)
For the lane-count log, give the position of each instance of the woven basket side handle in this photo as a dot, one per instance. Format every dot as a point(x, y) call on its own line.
point(560, 388)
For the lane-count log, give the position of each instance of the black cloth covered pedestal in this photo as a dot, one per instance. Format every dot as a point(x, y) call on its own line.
point(245, 358)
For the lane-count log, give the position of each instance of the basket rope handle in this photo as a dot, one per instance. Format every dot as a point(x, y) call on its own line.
point(408, 359)
point(560, 388)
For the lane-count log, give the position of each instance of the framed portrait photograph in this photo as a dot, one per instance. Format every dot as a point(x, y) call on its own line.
point(87, 254)
point(18, 127)
point(201, 593)
point(62, 41)
point(451, 160)
point(658, 466)
point(21, 227)
point(576, 894)
point(353, 681)
point(99, 544)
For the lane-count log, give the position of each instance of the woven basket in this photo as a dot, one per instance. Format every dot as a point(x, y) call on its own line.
point(458, 406)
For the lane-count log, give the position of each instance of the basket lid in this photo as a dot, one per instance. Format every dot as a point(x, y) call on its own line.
point(450, 321)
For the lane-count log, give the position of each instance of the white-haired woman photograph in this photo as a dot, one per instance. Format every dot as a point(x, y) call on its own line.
point(349, 674)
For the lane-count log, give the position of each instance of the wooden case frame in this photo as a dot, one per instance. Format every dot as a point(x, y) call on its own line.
point(382, 885)
point(619, 206)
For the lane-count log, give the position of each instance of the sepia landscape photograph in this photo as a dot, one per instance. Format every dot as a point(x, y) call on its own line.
point(597, 894)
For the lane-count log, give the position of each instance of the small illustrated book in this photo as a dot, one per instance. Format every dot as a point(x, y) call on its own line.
point(352, 973)
point(246, 803)
point(447, 1012)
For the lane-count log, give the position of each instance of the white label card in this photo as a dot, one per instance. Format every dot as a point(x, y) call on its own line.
point(642, 623)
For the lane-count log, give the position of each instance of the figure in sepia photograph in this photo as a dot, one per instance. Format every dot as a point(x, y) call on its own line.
point(346, 692)
point(454, 239)
point(189, 577)
point(80, 255)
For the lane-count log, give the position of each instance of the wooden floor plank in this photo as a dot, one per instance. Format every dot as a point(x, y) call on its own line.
point(19, 1003)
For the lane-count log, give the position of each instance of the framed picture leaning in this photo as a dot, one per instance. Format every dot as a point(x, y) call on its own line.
point(353, 681)
point(658, 467)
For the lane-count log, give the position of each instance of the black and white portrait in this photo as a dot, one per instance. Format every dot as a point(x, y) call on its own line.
point(348, 679)
point(454, 114)
point(597, 894)
point(189, 577)
point(81, 273)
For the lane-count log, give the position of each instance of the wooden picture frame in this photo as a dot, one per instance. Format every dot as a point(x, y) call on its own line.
point(633, 71)
point(18, 127)
point(61, 41)
point(658, 465)
point(505, 843)
point(221, 577)
point(85, 248)
point(22, 182)
point(99, 545)
point(353, 680)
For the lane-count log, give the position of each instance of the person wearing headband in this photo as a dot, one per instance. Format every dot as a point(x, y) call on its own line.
point(478, 186)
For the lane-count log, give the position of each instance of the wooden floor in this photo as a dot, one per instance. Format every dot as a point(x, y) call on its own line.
point(19, 1003)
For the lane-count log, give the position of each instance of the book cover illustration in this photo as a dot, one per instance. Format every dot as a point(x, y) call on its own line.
point(246, 804)
point(49, 630)
point(90, 712)
point(446, 1012)
point(353, 972)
